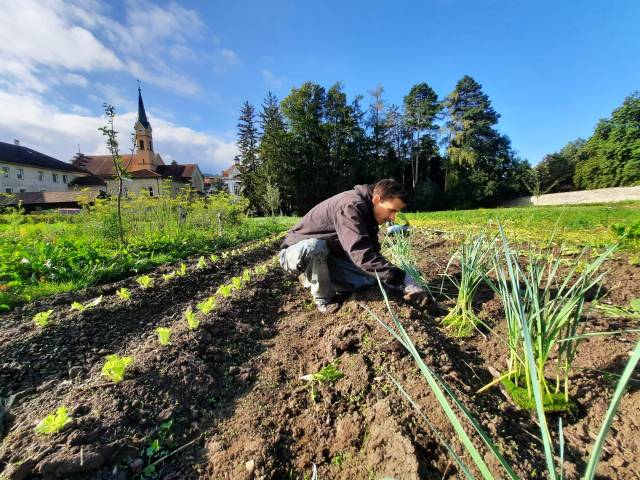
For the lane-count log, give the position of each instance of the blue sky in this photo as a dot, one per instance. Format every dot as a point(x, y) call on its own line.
point(551, 69)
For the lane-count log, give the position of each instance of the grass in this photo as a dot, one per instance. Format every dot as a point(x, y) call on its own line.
point(577, 225)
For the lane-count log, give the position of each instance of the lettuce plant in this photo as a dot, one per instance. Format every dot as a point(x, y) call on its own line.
point(168, 276)
point(164, 335)
point(54, 422)
point(192, 318)
point(182, 270)
point(207, 305)
point(42, 318)
point(115, 366)
point(124, 293)
point(202, 263)
point(145, 281)
point(82, 307)
point(236, 283)
point(225, 290)
point(246, 275)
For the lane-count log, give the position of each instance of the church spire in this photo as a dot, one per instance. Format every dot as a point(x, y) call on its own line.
point(142, 115)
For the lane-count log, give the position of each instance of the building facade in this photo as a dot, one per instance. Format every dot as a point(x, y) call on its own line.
point(23, 170)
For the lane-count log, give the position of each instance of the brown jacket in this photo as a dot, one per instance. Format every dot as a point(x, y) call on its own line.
point(346, 222)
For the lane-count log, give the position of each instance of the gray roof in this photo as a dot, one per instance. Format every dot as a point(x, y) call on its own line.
point(11, 153)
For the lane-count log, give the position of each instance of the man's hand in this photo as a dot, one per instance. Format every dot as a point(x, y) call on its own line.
point(414, 293)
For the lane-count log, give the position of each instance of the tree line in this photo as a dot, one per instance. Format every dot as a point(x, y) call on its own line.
point(446, 151)
point(609, 158)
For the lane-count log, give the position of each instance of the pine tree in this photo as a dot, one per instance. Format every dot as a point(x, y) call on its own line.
point(479, 158)
point(421, 108)
point(249, 160)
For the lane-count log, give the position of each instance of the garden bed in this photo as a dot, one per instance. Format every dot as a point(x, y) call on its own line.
point(226, 400)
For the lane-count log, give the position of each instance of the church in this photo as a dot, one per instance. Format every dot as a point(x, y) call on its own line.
point(145, 168)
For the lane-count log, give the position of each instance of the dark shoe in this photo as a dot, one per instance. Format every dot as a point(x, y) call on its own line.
point(326, 308)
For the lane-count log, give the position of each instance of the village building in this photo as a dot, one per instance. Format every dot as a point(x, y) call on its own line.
point(146, 170)
point(23, 170)
point(230, 180)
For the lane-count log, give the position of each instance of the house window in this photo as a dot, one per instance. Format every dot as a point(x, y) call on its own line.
point(236, 188)
point(19, 173)
point(40, 176)
point(65, 179)
point(151, 145)
point(8, 190)
point(150, 191)
point(5, 172)
point(23, 190)
point(55, 177)
point(141, 144)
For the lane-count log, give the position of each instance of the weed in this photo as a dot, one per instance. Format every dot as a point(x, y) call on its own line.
point(327, 374)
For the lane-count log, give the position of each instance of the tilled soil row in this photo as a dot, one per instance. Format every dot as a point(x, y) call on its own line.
point(31, 356)
point(172, 393)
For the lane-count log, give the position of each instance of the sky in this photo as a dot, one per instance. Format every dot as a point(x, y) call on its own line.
point(552, 69)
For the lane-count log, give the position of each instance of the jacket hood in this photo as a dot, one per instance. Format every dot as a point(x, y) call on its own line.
point(363, 191)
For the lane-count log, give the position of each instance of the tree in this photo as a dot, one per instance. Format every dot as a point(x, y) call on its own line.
point(480, 161)
point(555, 172)
point(272, 198)
point(398, 135)
point(421, 108)
point(249, 160)
point(304, 110)
point(611, 156)
point(119, 168)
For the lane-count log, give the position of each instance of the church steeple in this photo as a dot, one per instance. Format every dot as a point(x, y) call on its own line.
point(142, 115)
point(144, 137)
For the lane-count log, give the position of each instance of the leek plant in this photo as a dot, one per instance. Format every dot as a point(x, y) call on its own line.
point(400, 252)
point(457, 413)
point(550, 305)
point(473, 256)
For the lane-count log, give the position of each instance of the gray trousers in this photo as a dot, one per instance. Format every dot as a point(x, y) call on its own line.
point(324, 273)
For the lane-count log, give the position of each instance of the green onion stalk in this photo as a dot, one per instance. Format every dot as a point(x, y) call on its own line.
point(551, 304)
point(399, 251)
point(473, 257)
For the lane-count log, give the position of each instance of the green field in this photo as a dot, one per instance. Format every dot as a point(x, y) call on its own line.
point(592, 225)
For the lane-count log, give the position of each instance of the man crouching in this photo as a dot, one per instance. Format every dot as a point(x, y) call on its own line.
point(336, 249)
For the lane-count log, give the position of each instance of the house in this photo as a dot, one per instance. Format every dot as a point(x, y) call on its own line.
point(23, 170)
point(145, 167)
point(229, 178)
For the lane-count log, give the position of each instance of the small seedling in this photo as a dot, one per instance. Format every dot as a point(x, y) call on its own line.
point(327, 374)
point(208, 305)
point(246, 275)
point(124, 293)
point(115, 367)
point(225, 255)
point(182, 270)
point(202, 263)
point(54, 422)
point(192, 318)
point(168, 276)
point(42, 319)
point(260, 269)
point(225, 290)
point(164, 335)
point(77, 306)
point(145, 281)
point(236, 283)
point(214, 258)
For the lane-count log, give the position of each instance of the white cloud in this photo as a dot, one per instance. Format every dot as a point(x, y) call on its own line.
point(47, 129)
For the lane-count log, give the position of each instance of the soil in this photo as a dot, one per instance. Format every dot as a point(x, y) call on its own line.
point(226, 401)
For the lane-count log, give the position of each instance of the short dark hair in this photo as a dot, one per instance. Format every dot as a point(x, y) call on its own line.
point(390, 188)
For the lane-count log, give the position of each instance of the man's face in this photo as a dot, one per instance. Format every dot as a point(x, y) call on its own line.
point(385, 210)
